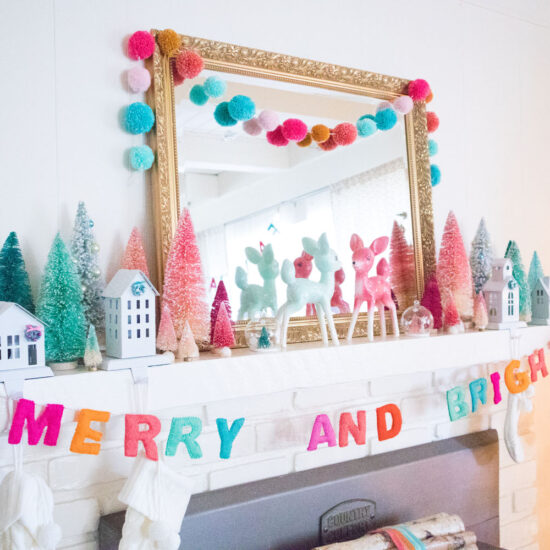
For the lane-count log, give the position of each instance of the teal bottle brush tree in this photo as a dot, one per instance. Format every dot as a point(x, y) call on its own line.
point(60, 306)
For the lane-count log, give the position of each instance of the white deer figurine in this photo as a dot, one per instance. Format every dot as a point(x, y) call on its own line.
point(255, 298)
point(303, 291)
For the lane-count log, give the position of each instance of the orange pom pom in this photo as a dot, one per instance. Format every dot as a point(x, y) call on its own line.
point(430, 97)
point(169, 42)
point(320, 133)
point(306, 142)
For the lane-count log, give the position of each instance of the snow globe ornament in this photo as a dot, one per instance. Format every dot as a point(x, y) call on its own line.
point(417, 320)
point(262, 334)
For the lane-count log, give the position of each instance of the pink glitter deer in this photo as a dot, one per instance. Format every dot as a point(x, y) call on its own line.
point(303, 265)
point(376, 291)
point(339, 305)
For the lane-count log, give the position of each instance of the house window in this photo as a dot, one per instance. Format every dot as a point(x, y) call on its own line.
point(129, 319)
point(137, 304)
point(129, 334)
point(13, 347)
point(116, 304)
point(0, 349)
point(138, 333)
point(147, 333)
point(146, 317)
point(110, 317)
point(116, 334)
point(129, 304)
point(116, 319)
point(146, 304)
point(510, 303)
point(138, 319)
point(111, 303)
point(492, 312)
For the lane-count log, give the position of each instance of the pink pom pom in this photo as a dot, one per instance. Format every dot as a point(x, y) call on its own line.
point(294, 129)
point(328, 145)
point(252, 127)
point(276, 137)
point(384, 105)
point(189, 64)
point(344, 133)
point(268, 120)
point(141, 45)
point(403, 104)
point(419, 89)
point(139, 79)
point(432, 120)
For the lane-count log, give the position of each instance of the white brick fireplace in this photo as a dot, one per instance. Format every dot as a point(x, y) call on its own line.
point(280, 394)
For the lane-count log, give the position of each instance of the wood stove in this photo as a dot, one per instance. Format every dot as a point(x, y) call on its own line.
point(301, 510)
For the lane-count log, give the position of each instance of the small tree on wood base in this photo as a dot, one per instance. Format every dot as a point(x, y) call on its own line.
point(518, 271)
point(481, 318)
point(432, 301)
point(92, 355)
point(453, 323)
point(166, 336)
point(221, 296)
point(187, 347)
point(223, 332)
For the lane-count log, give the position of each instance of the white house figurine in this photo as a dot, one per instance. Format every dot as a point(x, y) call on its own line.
point(130, 322)
point(540, 302)
point(22, 354)
point(501, 294)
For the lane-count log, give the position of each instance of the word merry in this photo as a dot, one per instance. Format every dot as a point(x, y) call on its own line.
point(516, 381)
point(184, 430)
point(323, 432)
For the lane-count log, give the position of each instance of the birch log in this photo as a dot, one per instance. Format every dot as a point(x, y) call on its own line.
point(432, 526)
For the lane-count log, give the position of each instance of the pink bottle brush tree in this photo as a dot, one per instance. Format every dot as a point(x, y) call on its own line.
point(481, 318)
point(187, 348)
point(453, 323)
point(184, 286)
point(432, 301)
point(220, 297)
point(166, 336)
point(223, 337)
point(402, 271)
point(134, 255)
point(454, 275)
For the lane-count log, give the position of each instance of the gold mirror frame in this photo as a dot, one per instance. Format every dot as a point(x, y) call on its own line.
point(230, 58)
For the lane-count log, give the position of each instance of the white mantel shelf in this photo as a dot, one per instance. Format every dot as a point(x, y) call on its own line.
point(248, 374)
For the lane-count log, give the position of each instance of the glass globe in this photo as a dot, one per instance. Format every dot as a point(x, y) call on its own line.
point(262, 334)
point(417, 320)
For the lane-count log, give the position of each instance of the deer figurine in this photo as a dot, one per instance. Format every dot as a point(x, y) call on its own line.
point(255, 298)
point(303, 291)
point(339, 305)
point(375, 291)
point(303, 265)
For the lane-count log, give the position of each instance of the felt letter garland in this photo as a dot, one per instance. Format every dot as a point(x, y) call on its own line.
point(347, 426)
point(84, 431)
point(397, 421)
point(50, 419)
point(478, 392)
point(537, 363)
point(516, 382)
point(458, 408)
point(177, 436)
point(133, 435)
point(495, 381)
point(322, 432)
point(227, 436)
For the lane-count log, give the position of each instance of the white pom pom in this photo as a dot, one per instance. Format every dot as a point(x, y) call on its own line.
point(171, 543)
point(159, 531)
point(48, 536)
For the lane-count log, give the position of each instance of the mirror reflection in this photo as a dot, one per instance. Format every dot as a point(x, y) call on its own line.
point(252, 202)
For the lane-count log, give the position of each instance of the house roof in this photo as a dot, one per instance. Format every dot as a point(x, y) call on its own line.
point(544, 283)
point(6, 306)
point(495, 286)
point(122, 280)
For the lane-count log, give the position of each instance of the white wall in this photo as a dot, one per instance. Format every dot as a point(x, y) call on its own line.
point(61, 96)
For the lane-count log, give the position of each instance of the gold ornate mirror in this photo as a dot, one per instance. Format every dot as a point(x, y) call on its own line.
point(243, 191)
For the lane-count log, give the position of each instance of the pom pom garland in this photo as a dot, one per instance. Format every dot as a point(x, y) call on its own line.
point(368, 117)
point(366, 127)
point(328, 145)
point(214, 86)
point(269, 120)
point(432, 120)
point(241, 107)
point(139, 79)
point(419, 89)
point(433, 147)
point(430, 97)
point(384, 105)
point(386, 119)
point(222, 116)
point(403, 104)
point(138, 118)
point(344, 133)
point(189, 64)
point(141, 157)
point(175, 75)
point(294, 129)
point(169, 42)
point(320, 133)
point(306, 142)
point(141, 45)
point(197, 95)
point(435, 174)
point(276, 137)
point(252, 127)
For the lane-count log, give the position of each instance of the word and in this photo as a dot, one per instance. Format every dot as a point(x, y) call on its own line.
point(86, 440)
point(323, 431)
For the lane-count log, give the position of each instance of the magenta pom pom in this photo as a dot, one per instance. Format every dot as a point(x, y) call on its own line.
point(403, 104)
point(344, 133)
point(276, 137)
point(419, 89)
point(268, 120)
point(294, 129)
point(139, 79)
point(384, 105)
point(252, 127)
point(432, 120)
point(189, 64)
point(141, 45)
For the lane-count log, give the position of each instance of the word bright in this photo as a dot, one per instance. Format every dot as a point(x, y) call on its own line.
point(184, 430)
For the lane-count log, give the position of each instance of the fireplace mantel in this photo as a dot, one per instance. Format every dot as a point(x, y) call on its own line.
point(310, 365)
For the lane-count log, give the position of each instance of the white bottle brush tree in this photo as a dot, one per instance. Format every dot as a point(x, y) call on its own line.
point(84, 250)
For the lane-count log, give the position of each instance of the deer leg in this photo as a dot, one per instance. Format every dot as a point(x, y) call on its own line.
point(330, 319)
point(353, 323)
point(322, 325)
point(371, 323)
point(390, 304)
point(288, 310)
point(382, 315)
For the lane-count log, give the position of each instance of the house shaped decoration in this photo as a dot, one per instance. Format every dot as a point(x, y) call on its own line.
point(130, 323)
point(501, 294)
point(540, 302)
point(22, 352)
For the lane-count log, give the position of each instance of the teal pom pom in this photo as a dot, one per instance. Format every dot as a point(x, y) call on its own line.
point(241, 107)
point(197, 95)
point(141, 157)
point(435, 172)
point(367, 117)
point(222, 116)
point(386, 119)
point(214, 86)
point(433, 147)
point(138, 118)
point(366, 127)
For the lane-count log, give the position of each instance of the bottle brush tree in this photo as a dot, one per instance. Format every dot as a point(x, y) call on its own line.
point(518, 271)
point(14, 279)
point(263, 340)
point(60, 306)
point(223, 332)
point(402, 270)
point(221, 296)
point(187, 347)
point(481, 257)
point(134, 254)
point(453, 323)
point(432, 301)
point(480, 312)
point(535, 270)
point(166, 336)
point(92, 355)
